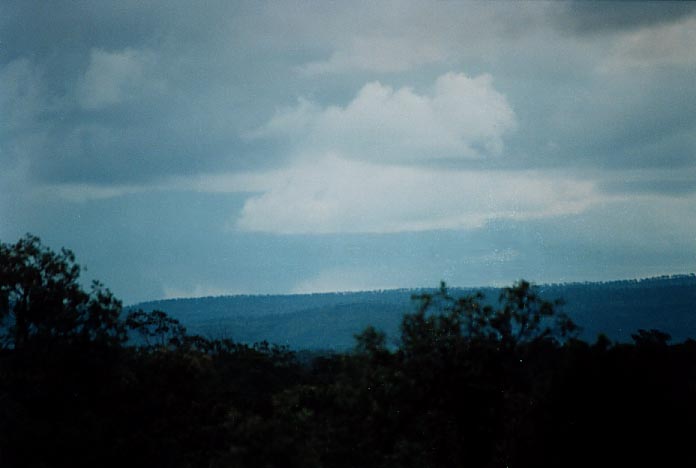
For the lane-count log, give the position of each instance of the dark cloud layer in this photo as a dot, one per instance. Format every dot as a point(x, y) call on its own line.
point(201, 78)
point(186, 92)
point(589, 17)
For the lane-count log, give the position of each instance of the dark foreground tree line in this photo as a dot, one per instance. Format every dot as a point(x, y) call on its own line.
point(84, 384)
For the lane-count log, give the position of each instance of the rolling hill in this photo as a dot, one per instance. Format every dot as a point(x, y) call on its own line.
point(329, 320)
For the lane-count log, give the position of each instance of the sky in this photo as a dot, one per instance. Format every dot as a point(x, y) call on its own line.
point(185, 149)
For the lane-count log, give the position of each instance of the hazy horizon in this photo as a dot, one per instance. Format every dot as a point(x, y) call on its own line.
point(450, 287)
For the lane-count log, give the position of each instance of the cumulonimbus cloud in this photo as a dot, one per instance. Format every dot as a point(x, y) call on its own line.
point(366, 167)
point(461, 117)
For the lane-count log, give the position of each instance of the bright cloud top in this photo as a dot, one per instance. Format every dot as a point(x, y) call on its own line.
point(461, 117)
point(337, 195)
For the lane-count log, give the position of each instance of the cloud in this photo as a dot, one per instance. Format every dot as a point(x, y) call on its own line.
point(654, 183)
point(462, 117)
point(26, 107)
point(662, 44)
point(378, 54)
point(394, 37)
point(336, 195)
point(22, 94)
point(135, 94)
point(114, 77)
point(607, 17)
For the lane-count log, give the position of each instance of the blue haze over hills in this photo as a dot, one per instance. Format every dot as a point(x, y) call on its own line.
point(329, 320)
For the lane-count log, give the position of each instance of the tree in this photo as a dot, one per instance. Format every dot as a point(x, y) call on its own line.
point(653, 338)
point(156, 328)
point(525, 317)
point(522, 318)
point(371, 341)
point(41, 298)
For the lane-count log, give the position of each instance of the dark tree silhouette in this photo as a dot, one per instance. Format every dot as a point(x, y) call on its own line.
point(522, 318)
point(469, 383)
point(41, 297)
point(156, 328)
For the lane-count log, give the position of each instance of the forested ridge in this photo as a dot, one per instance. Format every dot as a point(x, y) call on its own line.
point(471, 381)
point(301, 321)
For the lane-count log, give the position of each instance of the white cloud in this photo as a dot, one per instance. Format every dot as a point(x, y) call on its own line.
point(354, 168)
point(462, 117)
point(114, 77)
point(336, 195)
point(333, 194)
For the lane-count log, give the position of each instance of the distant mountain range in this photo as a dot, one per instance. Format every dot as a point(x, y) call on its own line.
point(330, 320)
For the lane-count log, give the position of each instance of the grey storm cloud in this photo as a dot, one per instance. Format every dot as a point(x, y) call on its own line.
point(644, 120)
point(129, 92)
point(610, 16)
point(125, 92)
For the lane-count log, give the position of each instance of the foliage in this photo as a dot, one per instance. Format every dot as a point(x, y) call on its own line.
point(156, 328)
point(468, 384)
point(40, 297)
point(523, 318)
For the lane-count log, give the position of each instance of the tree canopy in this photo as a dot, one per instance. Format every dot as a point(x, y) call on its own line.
point(468, 383)
point(41, 297)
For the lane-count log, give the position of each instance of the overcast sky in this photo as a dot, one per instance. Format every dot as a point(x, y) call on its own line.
point(251, 147)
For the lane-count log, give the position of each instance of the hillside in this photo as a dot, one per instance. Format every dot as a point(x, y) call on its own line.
point(329, 320)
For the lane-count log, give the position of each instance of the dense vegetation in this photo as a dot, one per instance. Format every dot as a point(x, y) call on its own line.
point(82, 383)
